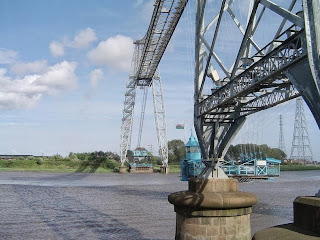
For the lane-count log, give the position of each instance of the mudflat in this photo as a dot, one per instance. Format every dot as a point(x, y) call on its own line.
point(128, 206)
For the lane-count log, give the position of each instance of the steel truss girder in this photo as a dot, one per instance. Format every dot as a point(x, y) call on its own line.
point(257, 103)
point(164, 20)
point(258, 76)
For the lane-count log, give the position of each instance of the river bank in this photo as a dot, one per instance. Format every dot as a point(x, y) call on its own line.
point(107, 166)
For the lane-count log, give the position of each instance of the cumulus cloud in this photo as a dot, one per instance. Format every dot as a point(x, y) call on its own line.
point(81, 40)
point(95, 76)
point(115, 53)
point(59, 77)
point(25, 92)
point(29, 67)
point(7, 56)
point(56, 49)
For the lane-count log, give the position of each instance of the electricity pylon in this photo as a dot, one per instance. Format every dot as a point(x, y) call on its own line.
point(282, 145)
point(301, 148)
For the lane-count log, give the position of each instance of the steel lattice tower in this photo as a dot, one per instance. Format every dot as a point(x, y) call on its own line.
point(144, 74)
point(301, 147)
point(282, 145)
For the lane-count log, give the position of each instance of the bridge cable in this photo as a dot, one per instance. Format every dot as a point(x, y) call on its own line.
point(144, 102)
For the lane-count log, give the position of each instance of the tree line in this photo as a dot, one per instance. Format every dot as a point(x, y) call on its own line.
point(176, 151)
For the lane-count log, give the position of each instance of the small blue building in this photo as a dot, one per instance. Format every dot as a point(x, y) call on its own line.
point(192, 149)
point(192, 165)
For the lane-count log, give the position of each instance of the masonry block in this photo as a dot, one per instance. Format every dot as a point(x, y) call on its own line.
point(212, 209)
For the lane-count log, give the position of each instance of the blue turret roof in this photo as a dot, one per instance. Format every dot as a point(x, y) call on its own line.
point(192, 142)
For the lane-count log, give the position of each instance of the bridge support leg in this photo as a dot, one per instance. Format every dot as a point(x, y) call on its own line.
point(123, 169)
point(300, 75)
point(212, 209)
point(164, 169)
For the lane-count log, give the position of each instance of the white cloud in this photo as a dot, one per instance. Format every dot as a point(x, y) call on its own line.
point(7, 56)
point(18, 101)
point(56, 49)
point(59, 77)
point(29, 68)
point(82, 39)
point(27, 91)
point(95, 76)
point(115, 53)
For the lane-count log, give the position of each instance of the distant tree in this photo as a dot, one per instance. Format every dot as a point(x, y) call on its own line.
point(234, 152)
point(30, 158)
point(176, 151)
point(56, 157)
point(73, 156)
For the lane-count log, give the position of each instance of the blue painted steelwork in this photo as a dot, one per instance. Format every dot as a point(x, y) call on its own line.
point(269, 167)
point(141, 165)
point(254, 167)
point(140, 152)
point(251, 165)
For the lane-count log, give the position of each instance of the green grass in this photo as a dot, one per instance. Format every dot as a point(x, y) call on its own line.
point(67, 166)
point(299, 167)
point(63, 166)
point(174, 168)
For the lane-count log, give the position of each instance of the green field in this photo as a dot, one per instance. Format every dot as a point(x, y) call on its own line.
point(48, 165)
point(67, 165)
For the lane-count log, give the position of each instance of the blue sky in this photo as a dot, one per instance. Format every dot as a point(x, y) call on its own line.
point(64, 66)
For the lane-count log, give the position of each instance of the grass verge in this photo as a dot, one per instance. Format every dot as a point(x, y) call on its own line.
point(299, 167)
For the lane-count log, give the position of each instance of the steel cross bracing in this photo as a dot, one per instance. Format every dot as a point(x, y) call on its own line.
point(146, 58)
point(259, 77)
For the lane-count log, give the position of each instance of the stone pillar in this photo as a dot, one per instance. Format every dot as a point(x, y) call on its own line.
point(306, 213)
point(122, 169)
point(212, 209)
point(164, 169)
point(305, 226)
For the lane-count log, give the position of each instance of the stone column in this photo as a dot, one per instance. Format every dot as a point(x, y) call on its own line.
point(122, 169)
point(212, 209)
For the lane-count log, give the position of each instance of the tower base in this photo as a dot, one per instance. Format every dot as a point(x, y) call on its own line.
point(305, 226)
point(122, 169)
point(164, 169)
point(212, 209)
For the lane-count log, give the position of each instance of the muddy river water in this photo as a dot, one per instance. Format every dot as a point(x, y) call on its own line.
point(114, 206)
